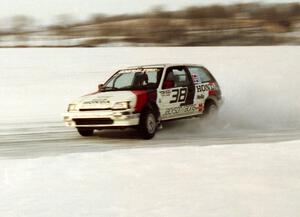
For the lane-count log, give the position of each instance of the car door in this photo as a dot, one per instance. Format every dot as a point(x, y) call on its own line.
point(177, 93)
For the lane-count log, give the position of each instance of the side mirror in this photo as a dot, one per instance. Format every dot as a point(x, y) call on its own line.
point(100, 87)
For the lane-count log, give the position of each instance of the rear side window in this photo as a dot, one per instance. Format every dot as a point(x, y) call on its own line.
point(199, 74)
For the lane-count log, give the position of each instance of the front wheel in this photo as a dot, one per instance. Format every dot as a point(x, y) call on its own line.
point(85, 131)
point(148, 124)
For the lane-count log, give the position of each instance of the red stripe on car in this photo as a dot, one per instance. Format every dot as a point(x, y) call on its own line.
point(141, 99)
point(212, 92)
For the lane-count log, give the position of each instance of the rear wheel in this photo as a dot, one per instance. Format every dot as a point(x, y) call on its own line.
point(85, 131)
point(210, 110)
point(148, 124)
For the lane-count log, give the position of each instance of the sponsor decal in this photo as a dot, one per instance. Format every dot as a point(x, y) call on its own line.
point(200, 107)
point(201, 96)
point(97, 101)
point(196, 78)
point(165, 92)
point(206, 87)
point(181, 110)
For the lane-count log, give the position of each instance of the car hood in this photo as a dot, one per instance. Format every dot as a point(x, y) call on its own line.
point(105, 100)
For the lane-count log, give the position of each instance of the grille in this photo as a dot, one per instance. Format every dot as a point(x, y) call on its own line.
point(93, 121)
point(93, 109)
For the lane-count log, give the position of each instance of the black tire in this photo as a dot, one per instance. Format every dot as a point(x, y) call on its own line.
point(148, 124)
point(85, 131)
point(210, 109)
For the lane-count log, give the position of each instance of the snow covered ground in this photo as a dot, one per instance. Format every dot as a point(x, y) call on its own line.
point(246, 164)
point(226, 180)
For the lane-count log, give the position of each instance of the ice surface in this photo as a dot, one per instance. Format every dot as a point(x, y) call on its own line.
point(221, 181)
point(245, 164)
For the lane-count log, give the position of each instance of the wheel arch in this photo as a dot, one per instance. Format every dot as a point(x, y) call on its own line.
point(210, 100)
point(151, 105)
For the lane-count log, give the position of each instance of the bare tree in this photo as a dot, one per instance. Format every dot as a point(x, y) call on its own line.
point(63, 26)
point(21, 25)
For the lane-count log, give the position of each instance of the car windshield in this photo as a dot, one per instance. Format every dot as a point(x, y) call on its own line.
point(134, 79)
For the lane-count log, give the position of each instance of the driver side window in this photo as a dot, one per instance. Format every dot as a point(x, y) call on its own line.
point(122, 80)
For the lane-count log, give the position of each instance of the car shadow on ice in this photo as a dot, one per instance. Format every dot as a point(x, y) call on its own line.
point(58, 141)
point(121, 134)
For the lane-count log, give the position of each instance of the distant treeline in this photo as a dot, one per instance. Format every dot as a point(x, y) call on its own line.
point(252, 10)
point(237, 24)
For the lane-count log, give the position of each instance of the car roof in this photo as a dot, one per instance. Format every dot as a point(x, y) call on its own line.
point(161, 65)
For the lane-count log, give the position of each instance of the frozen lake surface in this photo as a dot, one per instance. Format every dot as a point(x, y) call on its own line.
point(246, 164)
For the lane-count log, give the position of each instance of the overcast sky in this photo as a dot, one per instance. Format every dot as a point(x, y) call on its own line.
point(47, 10)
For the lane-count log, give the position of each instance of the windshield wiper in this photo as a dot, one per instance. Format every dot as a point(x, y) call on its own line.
point(111, 88)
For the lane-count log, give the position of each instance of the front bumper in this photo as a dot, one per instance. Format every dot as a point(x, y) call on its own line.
point(101, 119)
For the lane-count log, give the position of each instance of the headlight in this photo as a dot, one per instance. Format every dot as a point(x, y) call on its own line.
point(71, 107)
point(121, 105)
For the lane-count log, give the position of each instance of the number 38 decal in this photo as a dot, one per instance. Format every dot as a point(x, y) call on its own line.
point(179, 95)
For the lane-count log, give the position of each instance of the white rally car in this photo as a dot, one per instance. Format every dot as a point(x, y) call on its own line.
point(145, 96)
